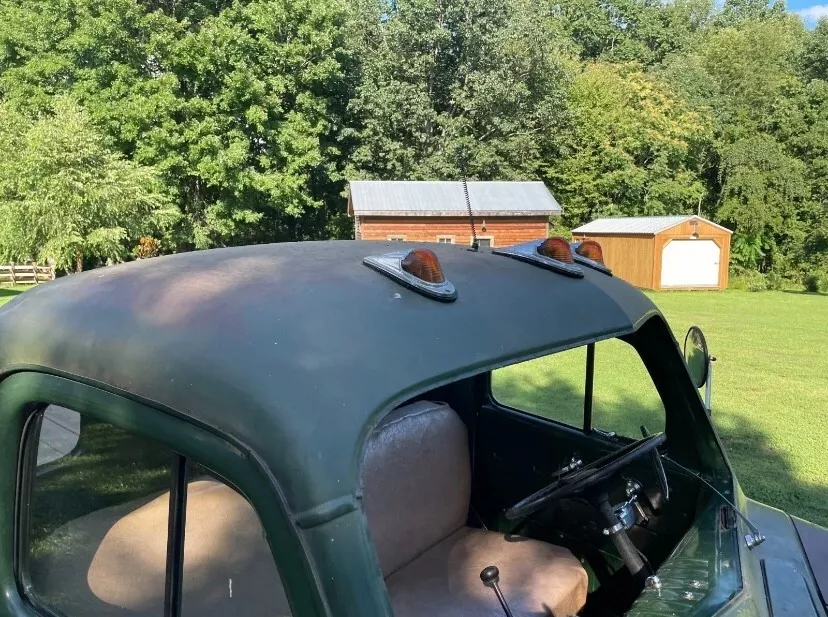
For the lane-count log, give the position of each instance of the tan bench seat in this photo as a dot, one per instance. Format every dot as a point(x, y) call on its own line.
point(417, 487)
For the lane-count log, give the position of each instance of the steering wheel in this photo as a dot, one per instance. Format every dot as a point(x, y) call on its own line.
point(578, 480)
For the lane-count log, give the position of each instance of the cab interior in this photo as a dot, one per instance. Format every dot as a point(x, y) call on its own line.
point(440, 471)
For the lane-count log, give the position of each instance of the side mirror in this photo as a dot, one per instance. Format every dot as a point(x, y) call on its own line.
point(696, 356)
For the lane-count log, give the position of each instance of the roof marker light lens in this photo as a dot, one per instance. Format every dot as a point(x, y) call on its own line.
point(589, 253)
point(423, 264)
point(417, 269)
point(591, 250)
point(556, 248)
point(551, 253)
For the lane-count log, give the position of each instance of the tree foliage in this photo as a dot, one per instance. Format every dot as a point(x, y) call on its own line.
point(248, 116)
point(633, 147)
point(444, 83)
point(66, 197)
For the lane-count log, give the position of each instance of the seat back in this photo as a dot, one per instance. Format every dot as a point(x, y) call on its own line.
point(416, 481)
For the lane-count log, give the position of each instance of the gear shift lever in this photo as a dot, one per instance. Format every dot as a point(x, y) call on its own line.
point(490, 577)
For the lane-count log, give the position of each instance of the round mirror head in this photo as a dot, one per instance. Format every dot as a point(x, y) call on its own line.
point(696, 356)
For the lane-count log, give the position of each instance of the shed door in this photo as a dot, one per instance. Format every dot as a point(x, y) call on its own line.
point(690, 263)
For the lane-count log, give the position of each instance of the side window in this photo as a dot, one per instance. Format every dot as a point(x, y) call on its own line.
point(89, 501)
point(550, 387)
point(228, 567)
point(624, 397)
point(97, 535)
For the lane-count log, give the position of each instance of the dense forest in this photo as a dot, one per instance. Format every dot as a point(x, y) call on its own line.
point(136, 127)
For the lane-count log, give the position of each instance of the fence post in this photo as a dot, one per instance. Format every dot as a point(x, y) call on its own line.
point(14, 282)
point(34, 271)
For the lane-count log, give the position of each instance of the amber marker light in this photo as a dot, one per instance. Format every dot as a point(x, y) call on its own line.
point(423, 264)
point(556, 248)
point(591, 250)
point(417, 269)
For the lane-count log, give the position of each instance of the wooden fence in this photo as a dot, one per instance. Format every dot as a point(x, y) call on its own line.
point(26, 274)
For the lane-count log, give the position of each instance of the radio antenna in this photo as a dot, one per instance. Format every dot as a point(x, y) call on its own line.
point(475, 244)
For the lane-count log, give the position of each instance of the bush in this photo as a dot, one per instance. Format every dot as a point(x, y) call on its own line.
point(775, 281)
point(744, 279)
point(812, 282)
point(816, 281)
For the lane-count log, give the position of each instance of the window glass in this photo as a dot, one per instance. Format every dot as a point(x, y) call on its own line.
point(624, 396)
point(484, 242)
point(445, 240)
point(59, 434)
point(97, 528)
point(228, 567)
point(550, 387)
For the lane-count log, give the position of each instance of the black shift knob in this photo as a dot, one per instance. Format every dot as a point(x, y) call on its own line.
point(490, 575)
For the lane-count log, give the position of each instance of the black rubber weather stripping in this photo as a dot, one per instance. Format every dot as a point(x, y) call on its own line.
point(590, 372)
point(175, 538)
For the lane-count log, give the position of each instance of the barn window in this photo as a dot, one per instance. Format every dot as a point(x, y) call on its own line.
point(396, 238)
point(445, 239)
point(485, 241)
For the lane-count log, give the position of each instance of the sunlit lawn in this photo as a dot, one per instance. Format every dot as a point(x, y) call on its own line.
point(770, 388)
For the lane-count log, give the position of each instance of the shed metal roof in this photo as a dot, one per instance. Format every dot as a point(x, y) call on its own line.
point(648, 225)
point(445, 198)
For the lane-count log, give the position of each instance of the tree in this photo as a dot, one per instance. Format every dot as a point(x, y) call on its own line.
point(237, 104)
point(66, 197)
point(815, 56)
point(644, 31)
point(633, 148)
point(763, 189)
point(443, 82)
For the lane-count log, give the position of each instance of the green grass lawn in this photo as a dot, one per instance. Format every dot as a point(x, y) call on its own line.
point(770, 388)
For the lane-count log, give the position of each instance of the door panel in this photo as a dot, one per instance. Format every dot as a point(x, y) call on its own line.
point(690, 263)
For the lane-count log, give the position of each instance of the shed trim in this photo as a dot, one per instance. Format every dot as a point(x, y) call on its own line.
point(640, 225)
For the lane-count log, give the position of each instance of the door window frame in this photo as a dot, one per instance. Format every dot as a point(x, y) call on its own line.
point(23, 395)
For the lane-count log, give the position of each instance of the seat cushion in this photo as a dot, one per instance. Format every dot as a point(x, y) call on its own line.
point(536, 578)
point(416, 481)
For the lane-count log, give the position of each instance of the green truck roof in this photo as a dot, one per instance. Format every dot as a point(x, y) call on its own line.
point(295, 350)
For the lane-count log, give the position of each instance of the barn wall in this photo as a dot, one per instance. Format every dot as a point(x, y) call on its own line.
point(684, 230)
point(629, 256)
point(503, 230)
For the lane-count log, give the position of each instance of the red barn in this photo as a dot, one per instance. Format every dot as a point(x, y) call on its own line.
point(504, 212)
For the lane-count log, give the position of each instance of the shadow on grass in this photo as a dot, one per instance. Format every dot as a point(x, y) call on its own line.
point(802, 292)
point(7, 293)
point(768, 477)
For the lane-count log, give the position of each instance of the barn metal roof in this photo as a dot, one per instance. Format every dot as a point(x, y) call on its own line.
point(638, 224)
point(445, 198)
